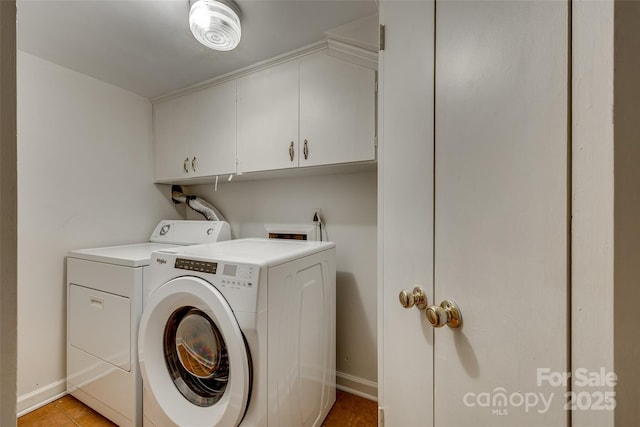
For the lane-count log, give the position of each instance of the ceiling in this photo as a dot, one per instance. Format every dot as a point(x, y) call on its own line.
point(145, 46)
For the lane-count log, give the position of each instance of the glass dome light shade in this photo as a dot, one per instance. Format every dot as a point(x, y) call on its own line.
point(215, 24)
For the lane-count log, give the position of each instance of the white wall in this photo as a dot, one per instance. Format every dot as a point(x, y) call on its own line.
point(348, 203)
point(84, 180)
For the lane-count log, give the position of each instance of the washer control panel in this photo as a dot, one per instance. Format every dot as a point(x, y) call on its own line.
point(195, 265)
point(228, 275)
point(238, 276)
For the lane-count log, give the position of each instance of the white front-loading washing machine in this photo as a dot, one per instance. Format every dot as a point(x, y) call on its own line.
point(104, 305)
point(240, 333)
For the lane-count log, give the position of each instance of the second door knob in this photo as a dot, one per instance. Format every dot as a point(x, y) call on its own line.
point(447, 313)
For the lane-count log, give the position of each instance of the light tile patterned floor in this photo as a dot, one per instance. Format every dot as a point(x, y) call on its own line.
point(349, 411)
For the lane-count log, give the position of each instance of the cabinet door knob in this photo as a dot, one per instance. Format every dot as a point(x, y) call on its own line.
point(184, 165)
point(193, 163)
point(417, 298)
point(447, 313)
point(291, 151)
point(305, 149)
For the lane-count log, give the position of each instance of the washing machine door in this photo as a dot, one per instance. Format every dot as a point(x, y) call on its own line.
point(194, 361)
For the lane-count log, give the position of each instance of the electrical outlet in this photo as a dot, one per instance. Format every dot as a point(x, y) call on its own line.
point(316, 211)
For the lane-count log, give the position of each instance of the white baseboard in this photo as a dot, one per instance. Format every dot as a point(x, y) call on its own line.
point(358, 386)
point(35, 399)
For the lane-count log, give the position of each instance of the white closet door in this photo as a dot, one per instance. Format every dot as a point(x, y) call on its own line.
point(501, 222)
point(474, 208)
point(405, 218)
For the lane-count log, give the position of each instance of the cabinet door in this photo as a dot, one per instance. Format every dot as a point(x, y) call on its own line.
point(195, 134)
point(170, 149)
point(268, 119)
point(337, 111)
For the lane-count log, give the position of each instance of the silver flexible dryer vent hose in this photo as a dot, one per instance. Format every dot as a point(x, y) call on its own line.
point(196, 203)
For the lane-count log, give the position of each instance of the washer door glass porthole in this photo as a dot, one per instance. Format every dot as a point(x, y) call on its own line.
point(196, 356)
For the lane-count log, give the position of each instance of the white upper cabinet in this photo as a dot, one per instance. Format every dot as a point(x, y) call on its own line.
point(195, 134)
point(337, 111)
point(317, 110)
point(309, 110)
point(268, 119)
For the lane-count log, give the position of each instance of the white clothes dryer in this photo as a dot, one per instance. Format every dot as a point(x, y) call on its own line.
point(104, 305)
point(240, 333)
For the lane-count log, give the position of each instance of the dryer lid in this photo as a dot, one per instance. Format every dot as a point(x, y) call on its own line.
point(136, 255)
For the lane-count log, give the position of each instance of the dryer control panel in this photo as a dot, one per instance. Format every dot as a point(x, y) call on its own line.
point(190, 232)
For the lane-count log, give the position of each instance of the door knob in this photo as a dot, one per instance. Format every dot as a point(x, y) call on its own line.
point(417, 298)
point(447, 313)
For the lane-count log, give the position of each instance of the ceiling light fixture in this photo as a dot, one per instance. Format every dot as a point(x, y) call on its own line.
point(215, 23)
